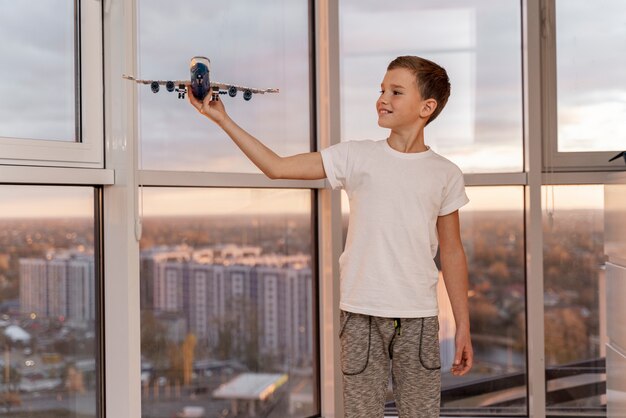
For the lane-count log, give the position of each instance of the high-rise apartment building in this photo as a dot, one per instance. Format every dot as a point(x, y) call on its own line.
point(263, 302)
point(33, 286)
point(62, 285)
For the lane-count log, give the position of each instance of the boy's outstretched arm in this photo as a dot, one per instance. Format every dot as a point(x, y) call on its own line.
point(307, 166)
point(454, 269)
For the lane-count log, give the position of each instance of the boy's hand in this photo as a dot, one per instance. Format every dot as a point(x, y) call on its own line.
point(212, 109)
point(464, 356)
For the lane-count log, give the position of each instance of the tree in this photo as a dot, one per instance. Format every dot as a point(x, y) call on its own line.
point(224, 347)
point(153, 339)
point(566, 336)
point(188, 347)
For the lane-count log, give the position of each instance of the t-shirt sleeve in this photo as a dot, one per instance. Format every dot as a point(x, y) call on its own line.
point(335, 161)
point(454, 195)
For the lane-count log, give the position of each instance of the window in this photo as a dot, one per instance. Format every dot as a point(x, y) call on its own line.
point(479, 44)
point(38, 78)
point(249, 43)
point(228, 276)
point(51, 75)
point(591, 89)
point(584, 91)
point(492, 230)
point(49, 314)
point(238, 306)
point(574, 300)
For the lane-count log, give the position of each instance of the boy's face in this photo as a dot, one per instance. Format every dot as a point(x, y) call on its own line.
point(400, 104)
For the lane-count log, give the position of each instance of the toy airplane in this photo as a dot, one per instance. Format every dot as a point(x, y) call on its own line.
point(200, 84)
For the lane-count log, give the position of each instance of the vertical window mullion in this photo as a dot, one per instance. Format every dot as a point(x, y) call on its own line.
point(532, 29)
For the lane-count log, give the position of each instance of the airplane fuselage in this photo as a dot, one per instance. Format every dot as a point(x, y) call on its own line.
point(200, 82)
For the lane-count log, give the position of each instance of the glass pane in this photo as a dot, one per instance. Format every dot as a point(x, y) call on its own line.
point(492, 231)
point(37, 68)
point(250, 43)
point(479, 44)
point(574, 300)
point(47, 303)
point(227, 304)
point(590, 42)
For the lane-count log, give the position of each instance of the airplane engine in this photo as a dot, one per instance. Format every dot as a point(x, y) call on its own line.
point(232, 91)
point(170, 86)
point(154, 86)
point(247, 95)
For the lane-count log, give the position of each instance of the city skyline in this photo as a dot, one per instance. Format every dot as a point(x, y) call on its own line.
point(263, 299)
point(494, 246)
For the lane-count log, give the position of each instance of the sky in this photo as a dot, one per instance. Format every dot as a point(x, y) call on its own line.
point(77, 202)
point(43, 40)
point(249, 43)
point(266, 45)
point(46, 202)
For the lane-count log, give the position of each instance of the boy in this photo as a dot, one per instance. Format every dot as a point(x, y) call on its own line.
point(404, 202)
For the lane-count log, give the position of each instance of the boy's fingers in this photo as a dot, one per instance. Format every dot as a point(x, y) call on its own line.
point(467, 362)
point(192, 99)
point(199, 105)
point(458, 355)
point(466, 368)
point(463, 361)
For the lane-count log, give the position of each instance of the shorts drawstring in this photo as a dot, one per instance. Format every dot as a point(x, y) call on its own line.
point(397, 325)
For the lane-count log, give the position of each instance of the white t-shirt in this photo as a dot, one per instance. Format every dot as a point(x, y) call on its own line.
point(387, 267)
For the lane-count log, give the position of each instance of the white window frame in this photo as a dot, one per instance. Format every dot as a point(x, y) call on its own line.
point(553, 159)
point(88, 150)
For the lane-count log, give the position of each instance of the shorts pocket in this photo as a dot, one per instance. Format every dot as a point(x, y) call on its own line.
point(343, 320)
point(429, 344)
point(355, 338)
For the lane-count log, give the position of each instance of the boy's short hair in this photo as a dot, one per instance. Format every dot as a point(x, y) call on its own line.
point(432, 80)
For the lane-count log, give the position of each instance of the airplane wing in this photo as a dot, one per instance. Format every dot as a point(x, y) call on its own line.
point(182, 86)
point(223, 86)
point(160, 82)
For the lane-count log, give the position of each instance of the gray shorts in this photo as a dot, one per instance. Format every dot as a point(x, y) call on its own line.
point(371, 346)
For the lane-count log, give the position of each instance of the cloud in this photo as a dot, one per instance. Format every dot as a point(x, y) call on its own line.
point(37, 70)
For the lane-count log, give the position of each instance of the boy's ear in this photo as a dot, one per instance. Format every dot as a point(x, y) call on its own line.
point(428, 107)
